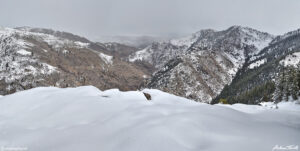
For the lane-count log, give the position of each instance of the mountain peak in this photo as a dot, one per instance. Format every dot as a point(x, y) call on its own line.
point(245, 29)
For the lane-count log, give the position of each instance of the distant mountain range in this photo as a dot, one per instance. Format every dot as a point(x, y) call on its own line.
point(135, 41)
point(198, 66)
point(32, 57)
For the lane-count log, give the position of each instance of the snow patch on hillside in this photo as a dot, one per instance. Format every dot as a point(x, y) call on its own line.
point(141, 54)
point(23, 52)
point(86, 118)
point(291, 60)
point(258, 39)
point(48, 69)
point(106, 58)
point(65, 51)
point(186, 41)
point(81, 44)
point(257, 63)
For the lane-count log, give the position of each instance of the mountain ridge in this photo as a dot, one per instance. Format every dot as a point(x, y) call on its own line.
point(198, 66)
point(211, 58)
point(28, 57)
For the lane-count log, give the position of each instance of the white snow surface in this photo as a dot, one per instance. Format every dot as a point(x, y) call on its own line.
point(56, 42)
point(106, 58)
point(257, 63)
point(259, 40)
point(23, 52)
point(264, 106)
point(178, 47)
point(85, 118)
point(141, 54)
point(291, 60)
point(82, 44)
point(186, 41)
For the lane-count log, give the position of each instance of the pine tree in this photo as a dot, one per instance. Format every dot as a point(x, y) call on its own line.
point(288, 80)
point(280, 84)
point(295, 88)
point(288, 84)
point(298, 77)
point(265, 97)
point(293, 83)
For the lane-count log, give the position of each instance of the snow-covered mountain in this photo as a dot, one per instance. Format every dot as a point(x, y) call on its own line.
point(32, 57)
point(239, 42)
point(263, 68)
point(159, 53)
point(199, 66)
point(85, 118)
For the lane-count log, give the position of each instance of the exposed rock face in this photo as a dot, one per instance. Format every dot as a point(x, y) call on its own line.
point(147, 95)
point(198, 76)
point(39, 57)
point(199, 66)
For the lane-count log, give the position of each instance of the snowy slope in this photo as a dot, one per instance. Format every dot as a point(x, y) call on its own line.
point(84, 118)
point(32, 57)
point(210, 60)
point(16, 60)
point(159, 53)
point(198, 75)
point(264, 67)
point(291, 60)
point(238, 42)
point(257, 63)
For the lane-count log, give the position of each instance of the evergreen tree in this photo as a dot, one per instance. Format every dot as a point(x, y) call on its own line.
point(298, 78)
point(293, 83)
point(295, 88)
point(280, 84)
point(286, 90)
point(288, 83)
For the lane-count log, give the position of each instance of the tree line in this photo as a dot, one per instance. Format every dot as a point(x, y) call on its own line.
point(285, 87)
point(288, 84)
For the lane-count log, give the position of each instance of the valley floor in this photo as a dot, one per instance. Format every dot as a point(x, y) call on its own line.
point(85, 118)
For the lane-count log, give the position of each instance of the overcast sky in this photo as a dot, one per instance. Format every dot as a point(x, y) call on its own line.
point(94, 18)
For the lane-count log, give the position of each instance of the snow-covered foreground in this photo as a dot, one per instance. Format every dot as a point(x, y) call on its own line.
point(84, 118)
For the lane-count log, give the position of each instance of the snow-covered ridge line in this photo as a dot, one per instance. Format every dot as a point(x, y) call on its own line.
point(222, 54)
point(57, 42)
point(86, 118)
point(289, 34)
point(206, 39)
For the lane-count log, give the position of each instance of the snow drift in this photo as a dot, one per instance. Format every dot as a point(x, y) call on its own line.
point(85, 118)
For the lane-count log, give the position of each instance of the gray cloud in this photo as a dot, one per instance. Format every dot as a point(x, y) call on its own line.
point(94, 18)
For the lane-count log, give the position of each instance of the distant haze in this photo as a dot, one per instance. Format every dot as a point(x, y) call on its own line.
point(96, 18)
